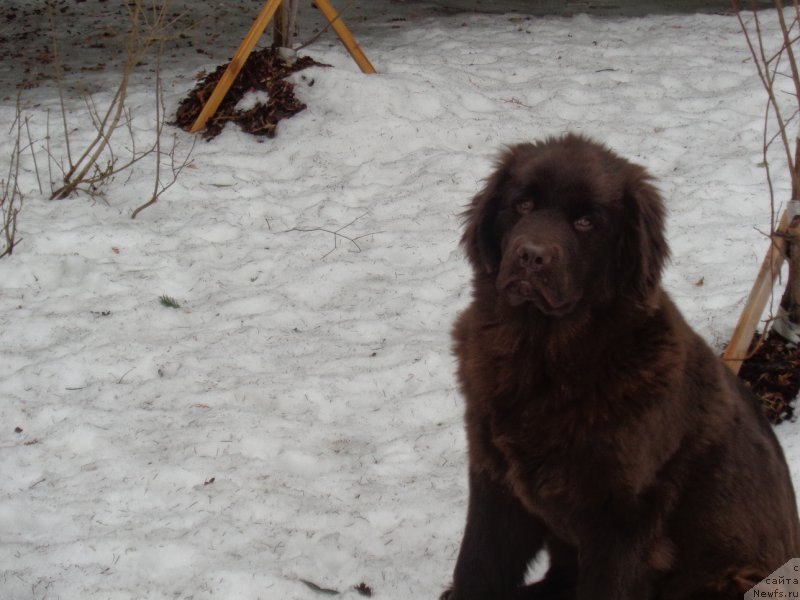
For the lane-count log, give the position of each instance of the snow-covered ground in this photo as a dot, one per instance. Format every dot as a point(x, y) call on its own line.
point(296, 419)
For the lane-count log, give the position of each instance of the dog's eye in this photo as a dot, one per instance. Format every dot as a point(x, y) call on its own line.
point(584, 224)
point(524, 207)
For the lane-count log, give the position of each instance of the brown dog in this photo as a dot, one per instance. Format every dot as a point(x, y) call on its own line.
point(601, 428)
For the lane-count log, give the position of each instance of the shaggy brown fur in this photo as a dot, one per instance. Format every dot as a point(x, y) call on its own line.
point(601, 428)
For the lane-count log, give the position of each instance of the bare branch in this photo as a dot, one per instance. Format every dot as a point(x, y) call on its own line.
point(327, 26)
point(149, 28)
point(775, 78)
point(59, 76)
point(10, 194)
point(337, 233)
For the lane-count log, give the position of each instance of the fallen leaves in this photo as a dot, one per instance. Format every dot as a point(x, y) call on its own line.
point(773, 373)
point(265, 70)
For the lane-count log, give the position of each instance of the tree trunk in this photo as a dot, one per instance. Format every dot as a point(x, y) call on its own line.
point(787, 324)
point(279, 27)
point(291, 22)
point(791, 297)
point(284, 24)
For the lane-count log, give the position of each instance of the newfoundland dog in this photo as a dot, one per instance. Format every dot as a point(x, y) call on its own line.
point(601, 428)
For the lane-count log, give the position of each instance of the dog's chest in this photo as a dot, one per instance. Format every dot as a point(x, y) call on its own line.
point(541, 449)
point(536, 425)
point(557, 469)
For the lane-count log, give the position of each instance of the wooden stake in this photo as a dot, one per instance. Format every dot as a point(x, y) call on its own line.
point(236, 64)
point(736, 352)
point(344, 34)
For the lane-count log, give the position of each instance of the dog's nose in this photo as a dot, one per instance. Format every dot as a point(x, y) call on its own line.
point(535, 256)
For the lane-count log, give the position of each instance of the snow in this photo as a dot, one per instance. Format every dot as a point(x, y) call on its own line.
point(296, 419)
point(252, 99)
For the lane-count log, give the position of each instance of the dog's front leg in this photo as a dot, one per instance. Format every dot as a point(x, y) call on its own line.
point(500, 539)
point(614, 568)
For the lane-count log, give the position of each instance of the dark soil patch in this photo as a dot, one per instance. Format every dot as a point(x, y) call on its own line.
point(773, 373)
point(265, 70)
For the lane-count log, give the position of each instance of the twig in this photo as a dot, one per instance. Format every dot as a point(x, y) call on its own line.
point(33, 155)
point(326, 28)
point(160, 186)
point(119, 381)
point(336, 233)
point(50, 158)
point(159, 104)
point(90, 170)
point(10, 194)
point(59, 77)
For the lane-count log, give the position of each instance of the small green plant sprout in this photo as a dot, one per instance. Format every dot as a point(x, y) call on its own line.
point(168, 301)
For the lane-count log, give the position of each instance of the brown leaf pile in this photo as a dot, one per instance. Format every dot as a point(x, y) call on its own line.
point(773, 373)
point(265, 70)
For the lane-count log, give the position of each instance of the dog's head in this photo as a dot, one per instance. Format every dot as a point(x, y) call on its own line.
point(564, 223)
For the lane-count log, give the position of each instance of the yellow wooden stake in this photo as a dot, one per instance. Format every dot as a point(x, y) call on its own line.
point(256, 31)
point(736, 352)
point(236, 64)
point(344, 34)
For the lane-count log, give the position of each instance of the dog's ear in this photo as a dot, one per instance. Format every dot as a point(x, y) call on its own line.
point(481, 239)
point(643, 247)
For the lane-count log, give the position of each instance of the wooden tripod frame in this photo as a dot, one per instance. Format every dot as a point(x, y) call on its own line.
point(249, 42)
point(737, 349)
